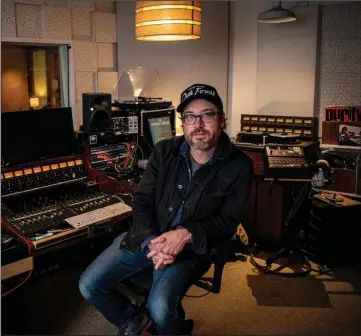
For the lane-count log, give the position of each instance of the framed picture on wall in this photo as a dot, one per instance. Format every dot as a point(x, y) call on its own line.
point(349, 135)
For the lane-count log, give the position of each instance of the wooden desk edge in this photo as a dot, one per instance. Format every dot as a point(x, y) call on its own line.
point(17, 267)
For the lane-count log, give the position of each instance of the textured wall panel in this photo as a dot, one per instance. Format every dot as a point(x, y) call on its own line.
point(30, 2)
point(106, 56)
point(106, 81)
point(105, 27)
point(86, 6)
point(105, 6)
point(58, 3)
point(57, 23)
point(340, 65)
point(339, 89)
point(341, 21)
point(84, 82)
point(29, 21)
point(82, 25)
point(343, 55)
point(78, 117)
point(8, 27)
point(85, 56)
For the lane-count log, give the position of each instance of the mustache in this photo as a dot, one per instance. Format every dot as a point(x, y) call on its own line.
point(199, 130)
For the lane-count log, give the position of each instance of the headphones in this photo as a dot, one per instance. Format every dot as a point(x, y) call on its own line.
point(322, 175)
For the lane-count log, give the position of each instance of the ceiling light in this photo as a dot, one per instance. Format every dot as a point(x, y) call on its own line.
point(167, 20)
point(277, 14)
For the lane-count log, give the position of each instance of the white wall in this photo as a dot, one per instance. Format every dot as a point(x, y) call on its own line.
point(286, 71)
point(272, 67)
point(182, 63)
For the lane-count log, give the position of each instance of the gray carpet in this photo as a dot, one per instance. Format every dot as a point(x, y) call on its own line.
point(249, 304)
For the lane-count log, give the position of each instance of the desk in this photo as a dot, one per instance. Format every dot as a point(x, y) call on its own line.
point(16, 263)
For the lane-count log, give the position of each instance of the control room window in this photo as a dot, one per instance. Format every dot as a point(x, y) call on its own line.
point(33, 77)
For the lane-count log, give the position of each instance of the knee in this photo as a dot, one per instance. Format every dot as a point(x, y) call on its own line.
point(160, 310)
point(86, 287)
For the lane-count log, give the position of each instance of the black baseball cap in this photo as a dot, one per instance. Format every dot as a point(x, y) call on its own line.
point(200, 91)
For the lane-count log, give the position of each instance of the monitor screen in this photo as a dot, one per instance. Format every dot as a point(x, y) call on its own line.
point(37, 134)
point(160, 129)
point(156, 125)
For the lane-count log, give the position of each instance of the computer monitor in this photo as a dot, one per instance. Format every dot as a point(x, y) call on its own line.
point(160, 129)
point(37, 134)
point(157, 125)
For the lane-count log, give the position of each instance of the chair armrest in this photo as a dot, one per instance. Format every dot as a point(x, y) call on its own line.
point(218, 255)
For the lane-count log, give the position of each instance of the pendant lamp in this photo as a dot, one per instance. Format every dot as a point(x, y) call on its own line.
point(277, 14)
point(168, 20)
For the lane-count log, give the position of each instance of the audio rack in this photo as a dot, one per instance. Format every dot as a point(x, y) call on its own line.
point(125, 125)
point(304, 128)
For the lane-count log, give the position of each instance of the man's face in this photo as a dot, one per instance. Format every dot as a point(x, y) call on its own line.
point(202, 134)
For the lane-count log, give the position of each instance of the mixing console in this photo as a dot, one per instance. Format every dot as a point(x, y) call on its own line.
point(48, 218)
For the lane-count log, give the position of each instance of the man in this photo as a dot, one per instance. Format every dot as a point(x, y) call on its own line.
point(193, 193)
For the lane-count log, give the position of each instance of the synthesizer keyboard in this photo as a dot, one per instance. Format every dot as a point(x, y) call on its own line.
point(99, 215)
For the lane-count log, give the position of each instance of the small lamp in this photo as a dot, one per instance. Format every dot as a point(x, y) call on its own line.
point(34, 102)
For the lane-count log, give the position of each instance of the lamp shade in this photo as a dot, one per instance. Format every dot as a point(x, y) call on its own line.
point(34, 102)
point(167, 20)
point(277, 14)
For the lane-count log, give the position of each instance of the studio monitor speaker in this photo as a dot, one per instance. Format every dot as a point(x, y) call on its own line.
point(96, 112)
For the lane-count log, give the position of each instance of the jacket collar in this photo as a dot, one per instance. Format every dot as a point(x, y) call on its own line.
point(224, 149)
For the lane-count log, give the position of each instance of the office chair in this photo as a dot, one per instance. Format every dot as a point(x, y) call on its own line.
point(137, 288)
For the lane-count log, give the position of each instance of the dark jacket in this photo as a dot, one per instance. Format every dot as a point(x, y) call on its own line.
point(214, 199)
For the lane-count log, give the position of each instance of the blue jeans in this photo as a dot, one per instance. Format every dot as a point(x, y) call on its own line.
point(168, 287)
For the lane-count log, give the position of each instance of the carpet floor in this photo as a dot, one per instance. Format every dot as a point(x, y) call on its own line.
point(250, 303)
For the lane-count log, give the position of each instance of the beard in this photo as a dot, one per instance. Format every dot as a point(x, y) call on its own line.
point(207, 141)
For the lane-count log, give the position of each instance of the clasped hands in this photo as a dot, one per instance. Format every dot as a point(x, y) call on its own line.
point(165, 248)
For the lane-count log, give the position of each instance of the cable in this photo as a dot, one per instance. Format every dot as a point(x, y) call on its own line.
point(141, 150)
point(358, 159)
point(125, 194)
point(118, 198)
point(128, 162)
point(198, 296)
point(202, 295)
point(29, 245)
point(147, 142)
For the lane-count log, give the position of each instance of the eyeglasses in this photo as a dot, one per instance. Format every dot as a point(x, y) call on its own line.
point(207, 117)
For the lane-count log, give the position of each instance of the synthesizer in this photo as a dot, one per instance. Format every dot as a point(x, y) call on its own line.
point(285, 161)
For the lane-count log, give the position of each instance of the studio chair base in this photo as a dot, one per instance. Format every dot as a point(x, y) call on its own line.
point(292, 252)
